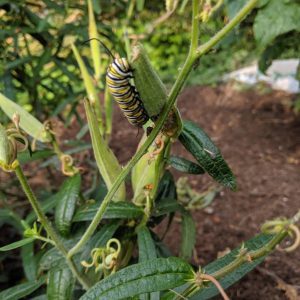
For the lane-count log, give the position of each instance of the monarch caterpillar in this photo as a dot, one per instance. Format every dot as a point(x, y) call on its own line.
point(118, 76)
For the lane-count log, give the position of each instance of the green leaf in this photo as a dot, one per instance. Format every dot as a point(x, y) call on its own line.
point(67, 198)
point(54, 258)
point(29, 262)
point(27, 122)
point(253, 244)
point(168, 205)
point(107, 162)
point(95, 45)
point(210, 290)
point(17, 244)
point(186, 166)
point(60, 283)
point(198, 143)
point(145, 244)
point(149, 276)
point(25, 157)
point(22, 290)
point(276, 18)
point(147, 251)
point(188, 235)
point(115, 210)
point(166, 188)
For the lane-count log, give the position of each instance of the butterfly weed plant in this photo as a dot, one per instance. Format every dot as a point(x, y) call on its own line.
point(106, 248)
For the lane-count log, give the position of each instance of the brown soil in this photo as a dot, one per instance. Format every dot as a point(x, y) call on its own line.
point(260, 139)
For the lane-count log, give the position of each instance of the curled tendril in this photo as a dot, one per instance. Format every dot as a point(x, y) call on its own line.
point(14, 136)
point(276, 226)
point(67, 166)
point(104, 258)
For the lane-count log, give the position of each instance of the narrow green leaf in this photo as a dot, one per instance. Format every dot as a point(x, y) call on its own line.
point(67, 198)
point(108, 104)
point(188, 235)
point(26, 157)
point(29, 262)
point(149, 276)
point(22, 290)
point(166, 188)
point(147, 251)
point(186, 166)
point(53, 258)
point(60, 283)
point(17, 244)
point(210, 290)
point(209, 157)
point(115, 210)
point(146, 245)
point(107, 162)
point(95, 45)
point(27, 122)
point(169, 205)
point(88, 82)
point(140, 5)
point(253, 244)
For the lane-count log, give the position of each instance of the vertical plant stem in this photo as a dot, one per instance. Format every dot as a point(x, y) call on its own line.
point(194, 54)
point(47, 225)
point(226, 29)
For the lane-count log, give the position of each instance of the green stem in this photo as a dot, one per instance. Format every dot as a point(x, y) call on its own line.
point(194, 54)
point(242, 258)
point(226, 29)
point(47, 225)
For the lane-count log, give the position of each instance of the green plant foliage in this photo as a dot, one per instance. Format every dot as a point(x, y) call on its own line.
point(22, 290)
point(66, 204)
point(184, 165)
point(155, 275)
point(198, 143)
point(91, 237)
point(188, 235)
point(276, 18)
point(122, 210)
point(60, 283)
point(17, 244)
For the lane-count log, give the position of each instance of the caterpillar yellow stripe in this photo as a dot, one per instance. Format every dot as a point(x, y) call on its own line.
point(118, 78)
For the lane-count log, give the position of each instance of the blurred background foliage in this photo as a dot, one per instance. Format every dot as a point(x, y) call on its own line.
point(38, 69)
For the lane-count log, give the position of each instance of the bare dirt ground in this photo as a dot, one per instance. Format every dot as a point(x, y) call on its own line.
point(260, 138)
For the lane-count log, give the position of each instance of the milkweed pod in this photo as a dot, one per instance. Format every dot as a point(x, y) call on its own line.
point(148, 83)
point(149, 170)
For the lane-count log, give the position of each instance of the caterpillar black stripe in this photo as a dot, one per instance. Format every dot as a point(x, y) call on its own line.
point(118, 78)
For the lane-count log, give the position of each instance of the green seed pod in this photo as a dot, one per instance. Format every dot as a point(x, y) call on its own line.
point(4, 147)
point(150, 87)
point(148, 171)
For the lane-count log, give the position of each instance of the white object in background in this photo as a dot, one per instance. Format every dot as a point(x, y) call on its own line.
point(281, 75)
